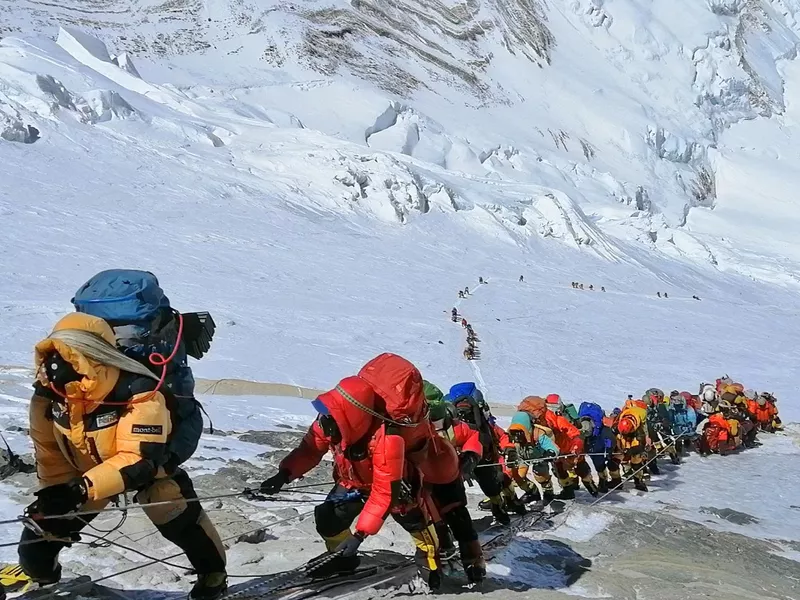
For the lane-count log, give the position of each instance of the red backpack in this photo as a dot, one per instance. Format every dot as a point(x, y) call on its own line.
point(401, 403)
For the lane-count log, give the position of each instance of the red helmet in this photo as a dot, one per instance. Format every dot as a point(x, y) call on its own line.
point(626, 426)
point(554, 403)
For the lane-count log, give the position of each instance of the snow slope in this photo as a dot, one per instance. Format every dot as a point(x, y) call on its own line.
point(323, 178)
point(291, 238)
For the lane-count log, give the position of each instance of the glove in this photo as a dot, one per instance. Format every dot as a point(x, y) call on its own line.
point(549, 454)
point(349, 547)
point(512, 456)
point(274, 484)
point(467, 463)
point(60, 499)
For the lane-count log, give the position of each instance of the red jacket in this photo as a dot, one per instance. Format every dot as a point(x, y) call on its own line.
point(367, 458)
point(466, 439)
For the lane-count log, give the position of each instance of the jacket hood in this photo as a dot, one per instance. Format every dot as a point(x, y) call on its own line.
point(521, 421)
point(98, 379)
point(342, 403)
point(398, 387)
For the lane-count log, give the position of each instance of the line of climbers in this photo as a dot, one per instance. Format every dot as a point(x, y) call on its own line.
point(579, 286)
point(386, 428)
point(471, 350)
point(114, 411)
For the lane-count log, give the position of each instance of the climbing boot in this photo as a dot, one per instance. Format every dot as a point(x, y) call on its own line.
point(654, 470)
point(473, 561)
point(591, 487)
point(531, 496)
point(640, 485)
point(209, 586)
point(566, 493)
point(516, 505)
point(500, 514)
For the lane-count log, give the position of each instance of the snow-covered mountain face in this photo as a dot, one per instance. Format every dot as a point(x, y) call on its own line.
point(323, 177)
point(668, 124)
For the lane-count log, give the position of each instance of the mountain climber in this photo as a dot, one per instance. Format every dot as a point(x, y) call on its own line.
point(556, 405)
point(460, 293)
point(598, 442)
point(659, 428)
point(138, 310)
point(464, 323)
point(591, 288)
point(580, 285)
point(666, 295)
point(602, 289)
point(658, 294)
point(709, 399)
point(566, 436)
point(455, 521)
point(472, 410)
point(631, 448)
point(466, 291)
point(454, 315)
point(716, 435)
point(528, 444)
point(372, 479)
point(684, 418)
point(481, 281)
point(521, 278)
point(467, 441)
point(765, 413)
point(100, 426)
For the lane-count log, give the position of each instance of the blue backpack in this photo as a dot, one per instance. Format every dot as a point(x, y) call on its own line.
point(595, 413)
point(139, 312)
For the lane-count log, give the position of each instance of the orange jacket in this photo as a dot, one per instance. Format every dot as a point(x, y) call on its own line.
point(116, 447)
point(762, 414)
point(567, 436)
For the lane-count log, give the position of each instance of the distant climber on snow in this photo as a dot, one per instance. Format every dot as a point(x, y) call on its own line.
point(521, 279)
point(454, 315)
point(464, 323)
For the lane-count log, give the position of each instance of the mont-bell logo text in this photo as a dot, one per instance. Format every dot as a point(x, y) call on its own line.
point(147, 429)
